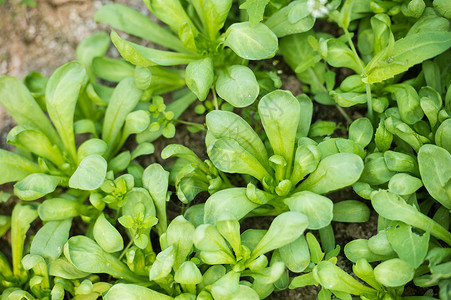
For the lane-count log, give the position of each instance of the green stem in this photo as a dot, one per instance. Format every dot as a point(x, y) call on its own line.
point(362, 73)
point(215, 98)
point(344, 114)
point(189, 123)
point(126, 248)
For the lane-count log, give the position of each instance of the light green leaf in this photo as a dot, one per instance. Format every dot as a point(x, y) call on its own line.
point(251, 42)
point(90, 174)
point(394, 272)
point(280, 115)
point(286, 228)
point(227, 204)
point(224, 124)
point(57, 209)
point(255, 10)
point(407, 52)
point(61, 93)
point(435, 169)
point(95, 45)
point(237, 85)
point(127, 19)
point(199, 77)
point(228, 156)
point(20, 104)
point(333, 173)
point(146, 57)
point(124, 99)
point(351, 211)
point(296, 255)
point(15, 167)
point(35, 186)
point(106, 235)
point(36, 142)
point(410, 246)
point(87, 256)
point(361, 131)
point(318, 209)
point(112, 69)
point(155, 180)
point(50, 239)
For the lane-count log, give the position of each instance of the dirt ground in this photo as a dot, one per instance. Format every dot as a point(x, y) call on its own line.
point(44, 37)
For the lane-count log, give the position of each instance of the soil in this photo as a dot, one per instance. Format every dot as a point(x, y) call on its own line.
point(44, 37)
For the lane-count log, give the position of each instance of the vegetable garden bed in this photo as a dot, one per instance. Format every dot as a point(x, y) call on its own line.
point(235, 150)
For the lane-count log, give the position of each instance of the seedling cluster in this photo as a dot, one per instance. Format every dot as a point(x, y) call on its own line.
point(91, 216)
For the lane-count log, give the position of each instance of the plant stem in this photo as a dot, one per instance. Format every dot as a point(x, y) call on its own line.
point(215, 98)
point(126, 248)
point(362, 73)
point(188, 123)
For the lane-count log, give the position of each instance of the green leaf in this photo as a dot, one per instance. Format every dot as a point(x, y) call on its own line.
point(213, 14)
point(408, 102)
point(106, 235)
point(170, 12)
point(285, 228)
point(358, 249)
point(180, 234)
point(410, 246)
point(57, 209)
point(296, 255)
point(318, 209)
point(255, 10)
point(237, 85)
point(251, 42)
point(163, 264)
point(15, 167)
point(351, 211)
point(20, 104)
point(331, 276)
point(143, 149)
point(287, 21)
point(35, 186)
point(224, 124)
point(124, 99)
point(91, 147)
point(61, 93)
point(93, 46)
point(404, 184)
point(407, 52)
point(361, 131)
point(228, 156)
point(50, 239)
point(435, 169)
point(155, 180)
point(61, 267)
point(36, 142)
point(127, 19)
point(393, 207)
point(280, 114)
point(146, 57)
point(21, 218)
point(112, 69)
point(88, 257)
point(227, 204)
point(199, 77)
point(394, 272)
point(90, 174)
point(188, 273)
point(442, 136)
point(340, 55)
point(333, 173)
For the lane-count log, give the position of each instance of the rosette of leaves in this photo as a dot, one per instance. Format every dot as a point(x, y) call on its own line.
point(285, 174)
point(195, 38)
point(382, 55)
point(192, 175)
point(49, 156)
